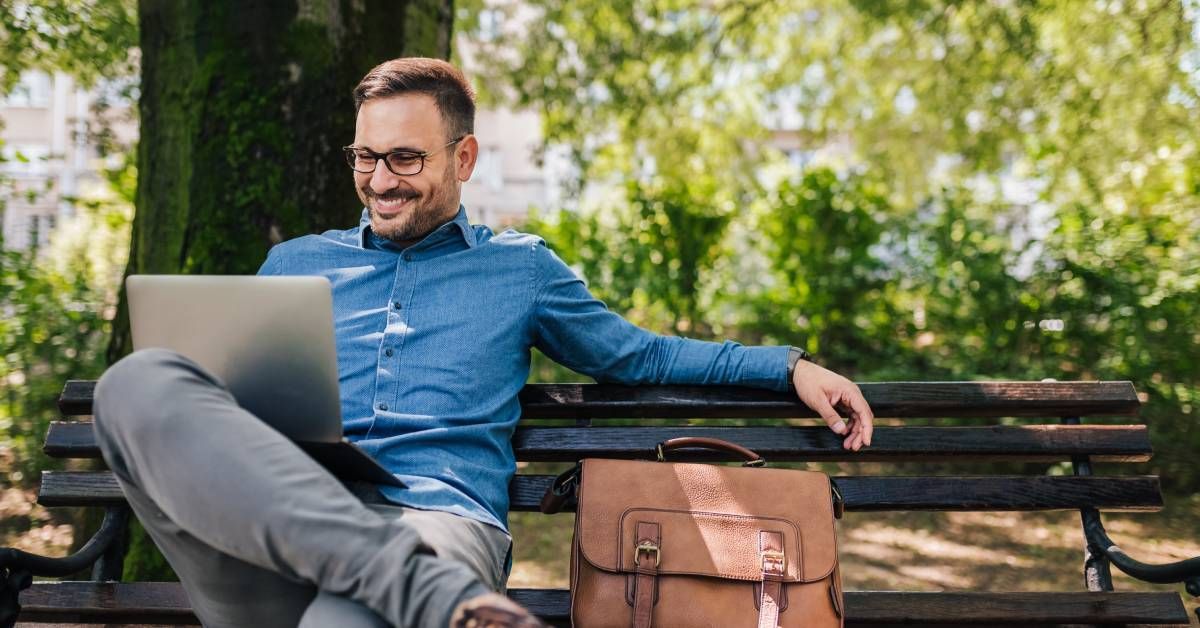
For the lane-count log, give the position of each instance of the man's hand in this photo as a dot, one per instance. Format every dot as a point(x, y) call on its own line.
point(823, 391)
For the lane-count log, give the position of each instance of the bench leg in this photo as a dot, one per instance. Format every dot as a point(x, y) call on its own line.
point(111, 564)
point(1097, 570)
point(12, 582)
point(1101, 551)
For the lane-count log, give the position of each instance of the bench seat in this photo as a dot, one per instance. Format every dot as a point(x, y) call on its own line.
point(166, 602)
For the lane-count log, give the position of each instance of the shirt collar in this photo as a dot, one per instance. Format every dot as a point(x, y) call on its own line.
point(458, 227)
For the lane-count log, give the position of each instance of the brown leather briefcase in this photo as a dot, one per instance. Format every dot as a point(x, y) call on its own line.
point(679, 544)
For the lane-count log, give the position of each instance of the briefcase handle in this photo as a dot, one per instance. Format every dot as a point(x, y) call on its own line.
point(699, 442)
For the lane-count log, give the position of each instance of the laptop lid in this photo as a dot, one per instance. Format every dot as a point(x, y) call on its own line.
point(270, 339)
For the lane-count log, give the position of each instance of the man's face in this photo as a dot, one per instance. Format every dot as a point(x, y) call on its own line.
point(406, 208)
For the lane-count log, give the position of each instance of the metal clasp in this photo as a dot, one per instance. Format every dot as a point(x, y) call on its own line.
point(776, 558)
point(647, 547)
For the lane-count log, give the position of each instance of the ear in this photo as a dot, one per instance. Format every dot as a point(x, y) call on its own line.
point(465, 157)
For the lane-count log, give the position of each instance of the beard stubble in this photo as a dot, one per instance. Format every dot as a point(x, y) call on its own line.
point(427, 213)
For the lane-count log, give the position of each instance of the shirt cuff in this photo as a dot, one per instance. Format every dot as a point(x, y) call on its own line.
point(766, 367)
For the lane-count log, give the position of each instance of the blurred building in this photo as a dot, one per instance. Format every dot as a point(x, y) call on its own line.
point(48, 158)
point(510, 178)
point(514, 174)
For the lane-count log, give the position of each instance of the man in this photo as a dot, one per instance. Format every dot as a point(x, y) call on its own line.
point(434, 321)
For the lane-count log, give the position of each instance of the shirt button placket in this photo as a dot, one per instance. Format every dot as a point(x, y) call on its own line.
point(393, 341)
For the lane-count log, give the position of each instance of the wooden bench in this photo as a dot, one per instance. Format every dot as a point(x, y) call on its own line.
point(563, 423)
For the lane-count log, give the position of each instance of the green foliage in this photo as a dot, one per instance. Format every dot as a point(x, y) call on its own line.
point(827, 284)
point(1128, 288)
point(649, 253)
point(972, 190)
point(57, 309)
point(89, 39)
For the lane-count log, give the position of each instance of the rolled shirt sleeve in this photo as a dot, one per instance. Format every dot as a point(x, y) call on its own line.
point(577, 330)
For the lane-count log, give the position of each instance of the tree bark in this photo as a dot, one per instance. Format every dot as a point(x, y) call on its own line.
point(244, 108)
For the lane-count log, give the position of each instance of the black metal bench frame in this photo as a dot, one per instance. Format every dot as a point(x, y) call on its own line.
point(105, 600)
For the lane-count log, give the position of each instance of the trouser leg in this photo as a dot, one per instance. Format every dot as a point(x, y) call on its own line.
point(482, 548)
point(223, 590)
point(208, 471)
point(479, 546)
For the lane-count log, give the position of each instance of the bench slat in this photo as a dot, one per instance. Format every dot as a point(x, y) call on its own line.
point(862, 493)
point(88, 602)
point(887, 399)
point(1105, 443)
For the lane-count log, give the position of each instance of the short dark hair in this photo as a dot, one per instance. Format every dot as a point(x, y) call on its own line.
point(421, 75)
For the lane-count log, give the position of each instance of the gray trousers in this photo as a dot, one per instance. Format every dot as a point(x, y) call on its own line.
point(259, 533)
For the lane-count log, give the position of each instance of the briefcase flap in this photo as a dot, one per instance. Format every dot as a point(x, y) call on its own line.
point(709, 517)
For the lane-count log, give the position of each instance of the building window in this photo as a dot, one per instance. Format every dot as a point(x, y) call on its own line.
point(25, 159)
point(33, 90)
point(490, 168)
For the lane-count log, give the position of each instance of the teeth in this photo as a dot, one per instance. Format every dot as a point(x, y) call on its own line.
point(391, 202)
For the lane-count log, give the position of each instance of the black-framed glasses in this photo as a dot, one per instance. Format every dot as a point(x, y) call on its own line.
point(404, 163)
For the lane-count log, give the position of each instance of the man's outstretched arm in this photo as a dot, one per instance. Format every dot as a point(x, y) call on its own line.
point(575, 329)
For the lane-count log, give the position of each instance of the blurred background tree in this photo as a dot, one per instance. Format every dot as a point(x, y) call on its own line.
point(975, 189)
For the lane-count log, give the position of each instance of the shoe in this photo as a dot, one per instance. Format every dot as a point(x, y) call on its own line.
point(493, 611)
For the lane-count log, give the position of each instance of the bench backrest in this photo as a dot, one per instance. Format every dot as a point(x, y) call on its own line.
point(773, 426)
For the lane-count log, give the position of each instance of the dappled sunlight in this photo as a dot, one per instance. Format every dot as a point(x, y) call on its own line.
point(915, 551)
point(43, 535)
point(935, 575)
point(532, 574)
point(871, 539)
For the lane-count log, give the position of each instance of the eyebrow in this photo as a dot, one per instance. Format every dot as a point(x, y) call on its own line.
point(400, 149)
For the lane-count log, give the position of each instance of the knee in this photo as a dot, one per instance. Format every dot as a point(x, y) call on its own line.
point(136, 389)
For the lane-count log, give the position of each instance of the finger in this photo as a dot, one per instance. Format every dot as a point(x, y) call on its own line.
point(854, 437)
point(862, 411)
point(851, 434)
point(831, 418)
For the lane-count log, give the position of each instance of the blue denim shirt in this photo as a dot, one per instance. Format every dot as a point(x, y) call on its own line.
point(433, 346)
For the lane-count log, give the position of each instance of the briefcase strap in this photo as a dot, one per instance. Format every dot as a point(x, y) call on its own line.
point(770, 548)
point(647, 555)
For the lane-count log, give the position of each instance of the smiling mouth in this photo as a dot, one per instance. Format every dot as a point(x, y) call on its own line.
point(387, 207)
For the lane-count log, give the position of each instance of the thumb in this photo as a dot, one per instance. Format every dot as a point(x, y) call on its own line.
point(823, 408)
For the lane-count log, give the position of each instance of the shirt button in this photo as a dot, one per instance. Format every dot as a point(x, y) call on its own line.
point(383, 406)
point(396, 305)
point(387, 352)
point(408, 257)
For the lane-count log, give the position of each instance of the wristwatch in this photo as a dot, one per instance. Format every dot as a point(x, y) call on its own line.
point(795, 354)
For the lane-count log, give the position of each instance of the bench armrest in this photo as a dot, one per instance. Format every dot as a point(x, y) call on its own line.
point(1186, 571)
point(17, 567)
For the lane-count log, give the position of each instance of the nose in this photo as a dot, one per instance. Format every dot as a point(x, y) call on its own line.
point(382, 179)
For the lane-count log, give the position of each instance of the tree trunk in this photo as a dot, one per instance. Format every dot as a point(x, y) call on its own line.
point(244, 109)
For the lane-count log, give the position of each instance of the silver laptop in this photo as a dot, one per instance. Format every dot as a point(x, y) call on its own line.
point(270, 339)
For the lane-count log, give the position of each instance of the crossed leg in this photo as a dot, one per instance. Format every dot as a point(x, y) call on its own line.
point(253, 527)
